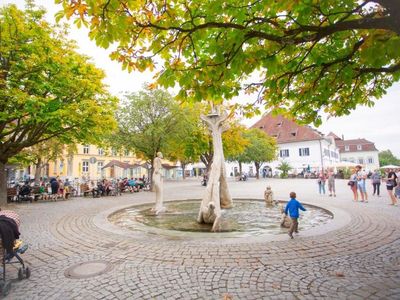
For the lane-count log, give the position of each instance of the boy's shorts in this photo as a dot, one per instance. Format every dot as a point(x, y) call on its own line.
point(361, 186)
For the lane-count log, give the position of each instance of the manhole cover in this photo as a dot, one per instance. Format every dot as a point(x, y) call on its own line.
point(88, 269)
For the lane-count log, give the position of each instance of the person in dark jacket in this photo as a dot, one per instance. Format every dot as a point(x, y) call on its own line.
point(292, 207)
point(54, 186)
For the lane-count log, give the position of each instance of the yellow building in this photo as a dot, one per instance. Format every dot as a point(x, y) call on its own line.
point(92, 163)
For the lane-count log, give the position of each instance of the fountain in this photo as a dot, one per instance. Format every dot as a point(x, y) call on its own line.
point(247, 217)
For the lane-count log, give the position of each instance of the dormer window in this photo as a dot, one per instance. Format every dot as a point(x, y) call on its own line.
point(279, 124)
point(293, 133)
point(261, 127)
point(359, 147)
point(346, 148)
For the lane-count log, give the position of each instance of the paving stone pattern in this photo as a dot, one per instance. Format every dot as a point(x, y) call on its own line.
point(359, 260)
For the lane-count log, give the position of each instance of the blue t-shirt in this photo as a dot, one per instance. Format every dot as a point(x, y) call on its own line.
point(293, 207)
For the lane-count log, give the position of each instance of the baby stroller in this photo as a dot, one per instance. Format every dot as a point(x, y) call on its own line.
point(11, 248)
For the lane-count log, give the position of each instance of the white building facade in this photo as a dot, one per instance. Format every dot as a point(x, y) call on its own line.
point(302, 147)
point(359, 151)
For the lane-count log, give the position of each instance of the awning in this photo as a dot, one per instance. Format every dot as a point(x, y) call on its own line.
point(120, 164)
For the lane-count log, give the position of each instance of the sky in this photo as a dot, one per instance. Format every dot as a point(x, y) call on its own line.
point(379, 124)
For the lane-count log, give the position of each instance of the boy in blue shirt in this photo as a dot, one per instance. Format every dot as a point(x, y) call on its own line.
point(293, 207)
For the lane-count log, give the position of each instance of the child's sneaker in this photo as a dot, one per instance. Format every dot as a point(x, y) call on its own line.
point(291, 235)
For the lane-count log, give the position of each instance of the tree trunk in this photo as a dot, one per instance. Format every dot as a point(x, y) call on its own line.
point(38, 168)
point(183, 166)
point(258, 166)
point(217, 194)
point(207, 159)
point(240, 168)
point(3, 185)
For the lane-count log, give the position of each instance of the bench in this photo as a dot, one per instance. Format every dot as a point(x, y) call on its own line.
point(85, 190)
point(37, 195)
point(12, 194)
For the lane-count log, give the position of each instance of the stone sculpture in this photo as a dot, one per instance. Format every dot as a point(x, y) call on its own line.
point(269, 196)
point(285, 220)
point(217, 195)
point(158, 184)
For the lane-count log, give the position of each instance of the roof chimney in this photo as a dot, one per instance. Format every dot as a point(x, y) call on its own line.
point(342, 137)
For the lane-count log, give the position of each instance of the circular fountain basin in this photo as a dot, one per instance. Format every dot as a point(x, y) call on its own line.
point(246, 218)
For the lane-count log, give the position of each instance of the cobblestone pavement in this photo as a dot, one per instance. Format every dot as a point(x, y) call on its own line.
point(358, 258)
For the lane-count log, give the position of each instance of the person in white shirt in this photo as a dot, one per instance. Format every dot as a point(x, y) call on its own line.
point(361, 186)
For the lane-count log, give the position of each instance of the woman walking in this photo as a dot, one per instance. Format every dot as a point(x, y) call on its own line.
point(331, 183)
point(391, 183)
point(321, 182)
point(353, 185)
point(376, 182)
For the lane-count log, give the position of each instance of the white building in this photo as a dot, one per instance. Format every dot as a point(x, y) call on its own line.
point(304, 148)
point(359, 151)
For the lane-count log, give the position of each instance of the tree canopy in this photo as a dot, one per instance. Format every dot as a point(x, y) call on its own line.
point(310, 56)
point(260, 148)
point(386, 157)
point(147, 122)
point(47, 89)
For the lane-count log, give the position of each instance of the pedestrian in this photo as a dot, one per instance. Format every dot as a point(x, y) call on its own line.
point(391, 183)
point(54, 188)
point(353, 185)
point(331, 183)
point(376, 182)
point(321, 182)
point(292, 207)
point(361, 186)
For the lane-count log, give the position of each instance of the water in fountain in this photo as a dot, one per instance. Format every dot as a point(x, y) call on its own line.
point(247, 217)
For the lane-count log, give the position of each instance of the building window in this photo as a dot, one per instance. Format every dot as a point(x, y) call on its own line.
point(293, 133)
point(346, 148)
point(361, 160)
point(359, 147)
point(85, 166)
point(126, 152)
point(284, 153)
point(113, 152)
point(351, 159)
point(100, 165)
point(326, 152)
point(86, 149)
point(55, 166)
point(279, 124)
point(101, 151)
point(370, 160)
point(304, 151)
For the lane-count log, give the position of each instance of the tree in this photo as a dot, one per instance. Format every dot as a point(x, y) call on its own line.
point(148, 121)
point(191, 140)
point(285, 167)
point(47, 90)
point(386, 157)
point(301, 57)
point(261, 148)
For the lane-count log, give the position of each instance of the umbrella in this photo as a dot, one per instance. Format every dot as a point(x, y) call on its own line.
point(389, 167)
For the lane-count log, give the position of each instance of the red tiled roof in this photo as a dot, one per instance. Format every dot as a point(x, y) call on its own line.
point(335, 137)
point(352, 144)
point(120, 164)
point(168, 167)
point(285, 130)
